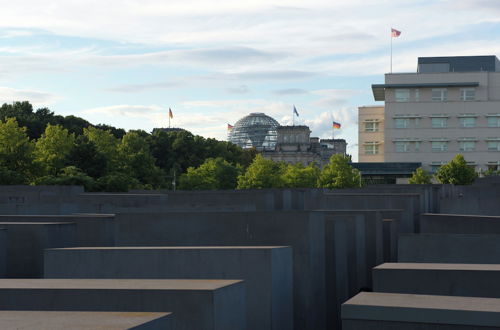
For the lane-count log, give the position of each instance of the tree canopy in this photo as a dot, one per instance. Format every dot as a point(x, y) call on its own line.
point(456, 172)
point(338, 173)
point(420, 177)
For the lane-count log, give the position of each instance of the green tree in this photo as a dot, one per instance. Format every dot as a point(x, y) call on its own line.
point(339, 174)
point(68, 176)
point(137, 161)
point(298, 176)
point(456, 172)
point(117, 182)
point(87, 158)
point(212, 174)
point(16, 150)
point(262, 173)
point(106, 144)
point(420, 177)
point(53, 148)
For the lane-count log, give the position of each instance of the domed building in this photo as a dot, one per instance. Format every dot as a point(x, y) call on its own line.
point(255, 130)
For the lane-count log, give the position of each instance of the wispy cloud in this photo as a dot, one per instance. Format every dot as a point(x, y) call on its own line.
point(38, 98)
point(137, 88)
point(290, 91)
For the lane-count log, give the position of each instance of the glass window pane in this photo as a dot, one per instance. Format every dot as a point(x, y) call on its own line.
point(493, 121)
point(468, 122)
point(438, 122)
point(402, 95)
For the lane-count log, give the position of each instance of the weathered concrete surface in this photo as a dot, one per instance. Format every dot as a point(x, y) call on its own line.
point(476, 199)
point(449, 248)
point(3, 252)
point(302, 230)
point(267, 271)
point(468, 280)
point(91, 229)
point(370, 310)
point(391, 229)
point(195, 304)
point(26, 242)
point(459, 223)
point(37, 320)
point(366, 235)
point(409, 203)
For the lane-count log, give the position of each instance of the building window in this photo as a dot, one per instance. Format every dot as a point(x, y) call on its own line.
point(494, 121)
point(417, 146)
point(493, 145)
point(467, 145)
point(417, 95)
point(493, 166)
point(417, 122)
point(439, 94)
point(439, 146)
point(439, 122)
point(468, 122)
point(402, 122)
point(371, 126)
point(402, 95)
point(467, 94)
point(371, 148)
point(402, 146)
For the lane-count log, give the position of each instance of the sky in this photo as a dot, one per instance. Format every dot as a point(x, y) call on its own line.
point(125, 63)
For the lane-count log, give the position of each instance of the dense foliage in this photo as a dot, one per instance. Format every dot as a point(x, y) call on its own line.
point(420, 177)
point(38, 147)
point(456, 172)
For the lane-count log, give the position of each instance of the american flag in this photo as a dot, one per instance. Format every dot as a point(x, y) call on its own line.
point(395, 33)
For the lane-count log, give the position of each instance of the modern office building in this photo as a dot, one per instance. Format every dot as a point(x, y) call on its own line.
point(450, 105)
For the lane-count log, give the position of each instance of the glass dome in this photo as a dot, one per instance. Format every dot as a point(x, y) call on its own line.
point(255, 130)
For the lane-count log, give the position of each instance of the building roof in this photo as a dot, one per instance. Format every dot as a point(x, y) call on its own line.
point(458, 64)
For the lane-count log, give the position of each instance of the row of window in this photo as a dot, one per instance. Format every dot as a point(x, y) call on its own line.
point(372, 148)
point(436, 122)
point(437, 94)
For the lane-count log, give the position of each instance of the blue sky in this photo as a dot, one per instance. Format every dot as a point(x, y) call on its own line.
point(124, 63)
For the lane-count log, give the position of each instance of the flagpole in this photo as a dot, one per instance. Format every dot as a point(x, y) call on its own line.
point(293, 116)
point(391, 50)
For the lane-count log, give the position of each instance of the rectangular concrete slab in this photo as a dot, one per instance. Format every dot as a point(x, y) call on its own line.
point(55, 320)
point(449, 248)
point(468, 280)
point(195, 304)
point(3, 252)
point(408, 311)
point(459, 224)
point(267, 271)
point(302, 230)
point(26, 242)
point(91, 229)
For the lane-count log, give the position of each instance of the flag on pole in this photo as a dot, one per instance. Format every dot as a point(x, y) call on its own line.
point(395, 33)
point(336, 125)
point(230, 127)
point(295, 111)
point(170, 114)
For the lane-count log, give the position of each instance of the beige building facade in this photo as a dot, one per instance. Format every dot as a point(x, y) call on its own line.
point(450, 105)
point(371, 134)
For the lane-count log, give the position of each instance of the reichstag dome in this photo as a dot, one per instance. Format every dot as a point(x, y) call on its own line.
point(255, 130)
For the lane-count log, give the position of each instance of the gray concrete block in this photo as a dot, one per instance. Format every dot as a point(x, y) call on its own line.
point(409, 203)
point(302, 230)
point(3, 252)
point(391, 232)
point(459, 224)
point(27, 241)
point(368, 238)
point(46, 320)
point(91, 229)
point(195, 304)
point(468, 280)
point(381, 311)
point(449, 248)
point(267, 271)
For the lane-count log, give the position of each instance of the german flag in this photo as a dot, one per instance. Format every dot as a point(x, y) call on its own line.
point(336, 125)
